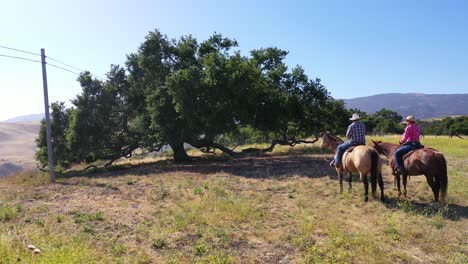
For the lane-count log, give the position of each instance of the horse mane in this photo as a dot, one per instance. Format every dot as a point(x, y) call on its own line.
point(381, 149)
point(335, 138)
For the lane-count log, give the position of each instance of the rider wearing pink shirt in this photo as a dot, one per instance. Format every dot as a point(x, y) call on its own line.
point(409, 141)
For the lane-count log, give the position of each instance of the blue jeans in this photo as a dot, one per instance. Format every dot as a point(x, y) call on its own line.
point(401, 151)
point(340, 150)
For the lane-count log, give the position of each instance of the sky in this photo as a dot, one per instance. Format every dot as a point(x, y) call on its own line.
point(357, 48)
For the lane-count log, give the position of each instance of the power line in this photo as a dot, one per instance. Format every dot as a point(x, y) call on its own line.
point(28, 52)
point(50, 58)
point(58, 67)
point(70, 66)
point(19, 58)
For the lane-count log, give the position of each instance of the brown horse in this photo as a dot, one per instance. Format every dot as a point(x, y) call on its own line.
point(362, 160)
point(425, 161)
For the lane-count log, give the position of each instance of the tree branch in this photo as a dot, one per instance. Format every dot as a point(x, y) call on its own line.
point(285, 142)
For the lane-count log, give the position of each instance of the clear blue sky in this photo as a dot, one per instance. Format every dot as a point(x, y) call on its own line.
point(357, 48)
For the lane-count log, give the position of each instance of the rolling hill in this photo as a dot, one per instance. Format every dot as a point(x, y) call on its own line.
point(36, 118)
point(17, 147)
point(417, 104)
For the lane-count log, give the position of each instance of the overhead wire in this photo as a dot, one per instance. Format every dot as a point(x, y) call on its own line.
point(70, 66)
point(58, 67)
point(28, 52)
point(19, 58)
point(63, 63)
point(50, 58)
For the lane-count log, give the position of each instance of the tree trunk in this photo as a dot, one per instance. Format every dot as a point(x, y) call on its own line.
point(179, 152)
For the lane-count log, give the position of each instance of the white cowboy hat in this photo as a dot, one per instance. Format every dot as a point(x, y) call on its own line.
point(410, 118)
point(355, 117)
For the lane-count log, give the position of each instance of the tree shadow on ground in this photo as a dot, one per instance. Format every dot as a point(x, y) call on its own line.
point(278, 166)
point(261, 167)
point(452, 212)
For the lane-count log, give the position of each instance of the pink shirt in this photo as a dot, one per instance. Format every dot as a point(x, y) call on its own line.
point(412, 133)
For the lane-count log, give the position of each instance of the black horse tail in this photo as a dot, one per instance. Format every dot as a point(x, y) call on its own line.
point(374, 170)
point(443, 178)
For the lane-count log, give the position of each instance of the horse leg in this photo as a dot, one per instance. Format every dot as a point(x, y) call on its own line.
point(350, 180)
point(366, 187)
point(340, 174)
point(405, 181)
point(435, 186)
point(397, 183)
point(374, 184)
point(381, 185)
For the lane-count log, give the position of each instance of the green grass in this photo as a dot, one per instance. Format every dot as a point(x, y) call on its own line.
point(8, 213)
point(452, 147)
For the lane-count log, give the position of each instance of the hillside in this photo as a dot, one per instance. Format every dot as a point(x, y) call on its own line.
point(280, 208)
point(17, 147)
point(33, 118)
point(419, 105)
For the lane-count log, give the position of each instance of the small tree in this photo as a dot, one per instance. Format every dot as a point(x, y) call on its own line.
point(63, 156)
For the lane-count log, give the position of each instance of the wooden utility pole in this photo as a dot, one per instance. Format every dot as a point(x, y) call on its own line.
point(47, 117)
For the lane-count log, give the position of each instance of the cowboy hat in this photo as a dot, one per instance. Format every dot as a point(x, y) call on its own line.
point(410, 118)
point(355, 117)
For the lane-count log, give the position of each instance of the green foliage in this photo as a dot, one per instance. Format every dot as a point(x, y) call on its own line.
point(382, 122)
point(60, 118)
point(387, 122)
point(163, 193)
point(118, 249)
point(201, 248)
point(447, 126)
point(92, 217)
point(60, 218)
point(159, 243)
point(291, 106)
point(130, 181)
point(98, 216)
point(176, 91)
point(7, 213)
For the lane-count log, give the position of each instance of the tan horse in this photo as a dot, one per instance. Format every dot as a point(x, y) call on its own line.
point(363, 159)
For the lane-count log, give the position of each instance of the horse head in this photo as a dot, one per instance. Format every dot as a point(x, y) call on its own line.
point(325, 140)
point(330, 141)
point(377, 146)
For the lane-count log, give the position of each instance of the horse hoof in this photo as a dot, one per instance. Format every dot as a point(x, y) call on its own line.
point(436, 205)
point(366, 199)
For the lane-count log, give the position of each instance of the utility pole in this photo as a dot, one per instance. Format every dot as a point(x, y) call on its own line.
point(47, 117)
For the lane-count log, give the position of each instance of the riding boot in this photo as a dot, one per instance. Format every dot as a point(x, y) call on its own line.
point(400, 170)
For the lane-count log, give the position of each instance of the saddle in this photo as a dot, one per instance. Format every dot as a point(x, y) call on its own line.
point(350, 149)
point(412, 151)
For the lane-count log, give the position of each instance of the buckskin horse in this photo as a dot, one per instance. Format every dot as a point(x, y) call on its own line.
point(363, 160)
point(424, 161)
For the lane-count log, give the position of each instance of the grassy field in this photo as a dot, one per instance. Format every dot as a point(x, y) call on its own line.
point(278, 208)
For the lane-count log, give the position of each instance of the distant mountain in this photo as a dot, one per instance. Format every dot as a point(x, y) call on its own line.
point(26, 118)
point(417, 104)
